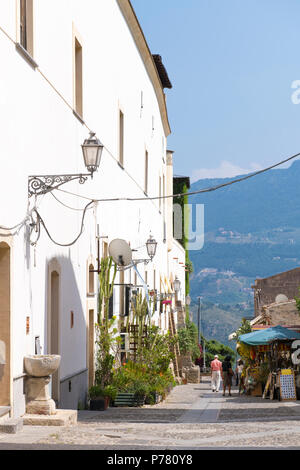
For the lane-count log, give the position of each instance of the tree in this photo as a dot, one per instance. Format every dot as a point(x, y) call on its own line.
point(243, 329)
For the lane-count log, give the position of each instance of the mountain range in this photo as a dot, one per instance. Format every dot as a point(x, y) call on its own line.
point(252, 230)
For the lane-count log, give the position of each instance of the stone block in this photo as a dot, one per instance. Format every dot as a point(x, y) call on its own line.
point(11, 425)
point(61, 418)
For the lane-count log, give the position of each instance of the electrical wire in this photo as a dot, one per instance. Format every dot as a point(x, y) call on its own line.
point(16, 228)
point(214, 188)
point(65, 205)
point(189, 193)
point(40, 219)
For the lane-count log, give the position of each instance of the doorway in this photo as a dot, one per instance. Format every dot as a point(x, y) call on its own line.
point(5, 325)
point(53, 329)
point(91, 348)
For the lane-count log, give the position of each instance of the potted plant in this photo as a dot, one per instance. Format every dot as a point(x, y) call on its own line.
point(98, 400)
point(101, 397)
point(140, 391)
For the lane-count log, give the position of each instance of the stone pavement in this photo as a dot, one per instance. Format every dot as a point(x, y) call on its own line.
point(192, 417)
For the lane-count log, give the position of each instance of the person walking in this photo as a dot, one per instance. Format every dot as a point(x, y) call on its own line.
point(227, 374)
point(215, 367)
point(240, 368)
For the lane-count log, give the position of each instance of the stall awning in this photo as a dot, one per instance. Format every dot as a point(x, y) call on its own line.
point(268, 336)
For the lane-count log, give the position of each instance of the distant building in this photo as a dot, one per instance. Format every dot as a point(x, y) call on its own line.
point(268, 289)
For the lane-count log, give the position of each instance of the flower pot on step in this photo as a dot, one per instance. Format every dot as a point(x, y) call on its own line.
point(99, 403)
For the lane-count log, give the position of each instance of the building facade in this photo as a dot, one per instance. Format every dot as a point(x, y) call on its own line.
point(72, 67)
point(267, 290)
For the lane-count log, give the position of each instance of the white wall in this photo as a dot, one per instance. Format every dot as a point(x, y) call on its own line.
point(42, 136)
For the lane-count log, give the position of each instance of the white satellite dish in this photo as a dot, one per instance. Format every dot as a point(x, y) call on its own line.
point(281, 298)
point(120, 252)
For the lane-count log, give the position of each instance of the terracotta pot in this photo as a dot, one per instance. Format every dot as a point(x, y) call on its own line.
point(99, 403)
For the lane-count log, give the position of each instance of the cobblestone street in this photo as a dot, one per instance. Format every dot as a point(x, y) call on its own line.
point(192, 417)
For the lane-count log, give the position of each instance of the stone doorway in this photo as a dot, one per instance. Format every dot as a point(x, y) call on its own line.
point(5, 325)
point(91, 349)
point(53, 329)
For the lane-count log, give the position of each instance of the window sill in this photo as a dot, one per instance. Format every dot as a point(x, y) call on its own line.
point(25, 54)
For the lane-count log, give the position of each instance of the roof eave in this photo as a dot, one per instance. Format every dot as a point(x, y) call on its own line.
point(145, 53)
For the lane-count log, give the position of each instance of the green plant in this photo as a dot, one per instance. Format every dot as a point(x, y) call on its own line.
point(97, 391)
point(107, 343)
point(213, 347)
point(156, 351)
point(107, 340)
point(263, 373)
point(142, 380)
point(188, 340)
point(107, 276)
point(243, 329)
point(298, 302)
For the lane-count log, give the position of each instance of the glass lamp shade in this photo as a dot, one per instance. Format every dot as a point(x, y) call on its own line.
point(177, 284)
point(188, 300)
point(151, 245)
point(92, 151)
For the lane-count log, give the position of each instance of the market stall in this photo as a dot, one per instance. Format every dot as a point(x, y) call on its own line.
point(270, 366)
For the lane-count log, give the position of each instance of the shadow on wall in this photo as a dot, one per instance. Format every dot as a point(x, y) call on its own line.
point(65, 331)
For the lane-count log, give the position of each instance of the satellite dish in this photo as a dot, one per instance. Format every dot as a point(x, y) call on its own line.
point(281, 298)
point(120, 252)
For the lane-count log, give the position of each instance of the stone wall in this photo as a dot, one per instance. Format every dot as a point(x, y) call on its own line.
point(266, 290)
point(284, 314)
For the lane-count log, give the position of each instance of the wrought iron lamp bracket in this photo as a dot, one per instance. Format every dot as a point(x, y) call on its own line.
point(134, 263)
point(42, 184)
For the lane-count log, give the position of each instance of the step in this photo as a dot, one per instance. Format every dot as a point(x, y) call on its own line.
point(60, 418)
point(11, 425)
point(4, 413)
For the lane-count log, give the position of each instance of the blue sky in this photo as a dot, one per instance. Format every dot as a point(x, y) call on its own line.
point(232, 64)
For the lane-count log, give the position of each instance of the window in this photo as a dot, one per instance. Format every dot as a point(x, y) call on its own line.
point(78, 77)
point(111, 306)
point(127, 301)
point(146, 173)
point(104, 250)
point(91, 282)
point(121, 278)
point(26, 25)
point(164, 193)
point(159, 190)
point(121, 138)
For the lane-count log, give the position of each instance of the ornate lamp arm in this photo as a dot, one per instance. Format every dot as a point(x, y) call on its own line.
point(42, 184)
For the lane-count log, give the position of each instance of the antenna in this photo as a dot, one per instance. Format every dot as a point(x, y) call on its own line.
point(120, 252)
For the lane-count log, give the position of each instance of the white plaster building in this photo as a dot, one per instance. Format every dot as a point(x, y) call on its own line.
point(68, 67)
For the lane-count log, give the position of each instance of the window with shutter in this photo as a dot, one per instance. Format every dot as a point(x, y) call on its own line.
point(127, 301)
point(111, 306)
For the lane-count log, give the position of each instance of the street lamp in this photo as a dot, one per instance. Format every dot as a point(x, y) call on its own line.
point(92, 151)
point(151, 245)
point(177, 284)
point(121, 253)
point(188, 300)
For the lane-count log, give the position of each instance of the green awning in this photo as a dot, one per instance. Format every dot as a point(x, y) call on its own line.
point(269, 335)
